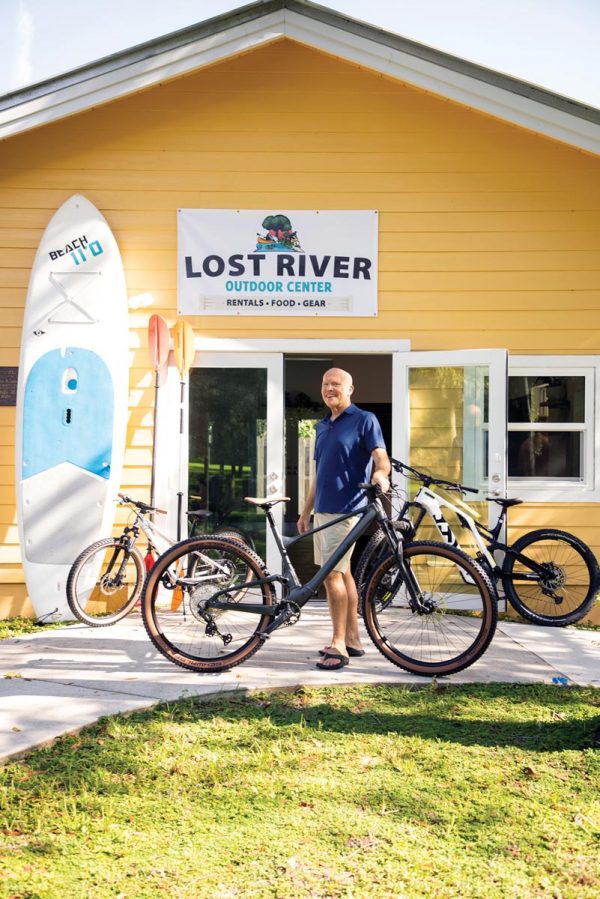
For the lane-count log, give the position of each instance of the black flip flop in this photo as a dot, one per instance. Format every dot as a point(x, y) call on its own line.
point(342, 661)
point(353, 653)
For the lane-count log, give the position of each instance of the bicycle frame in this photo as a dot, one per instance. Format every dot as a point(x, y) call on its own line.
point(150, 530)
point(299, 594)
point(429, 502)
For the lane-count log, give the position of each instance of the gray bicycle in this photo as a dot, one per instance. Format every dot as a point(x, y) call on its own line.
point(209, 603)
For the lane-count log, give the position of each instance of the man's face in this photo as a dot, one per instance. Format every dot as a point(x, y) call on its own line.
point(336, 389)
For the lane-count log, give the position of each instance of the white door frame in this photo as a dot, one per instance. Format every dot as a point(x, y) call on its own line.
point(178, 459)
point(497, 361)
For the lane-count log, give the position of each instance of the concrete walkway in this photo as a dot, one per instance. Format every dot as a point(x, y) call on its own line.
point(57, 681)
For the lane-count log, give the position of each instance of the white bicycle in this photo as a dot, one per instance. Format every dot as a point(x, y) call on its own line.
point(548, 576)
point(106, 579)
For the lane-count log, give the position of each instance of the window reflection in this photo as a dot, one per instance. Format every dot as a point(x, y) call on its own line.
point(546, 399)
point(544, 454)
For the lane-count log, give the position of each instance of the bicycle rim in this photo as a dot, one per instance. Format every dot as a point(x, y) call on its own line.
point(175, 613)
point(105, 582)
point(460, 613)
point(565, 592)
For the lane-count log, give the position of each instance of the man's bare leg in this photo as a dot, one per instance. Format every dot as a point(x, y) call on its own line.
point(352, 635)
point(342, 599)
point(337, 601)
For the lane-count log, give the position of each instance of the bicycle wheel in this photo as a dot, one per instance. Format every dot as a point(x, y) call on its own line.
point(105, 582)
point(458, 618)
point(565, 591)
point(176, 609)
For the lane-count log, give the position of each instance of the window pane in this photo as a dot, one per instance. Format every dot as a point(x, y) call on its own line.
point(546, 399)
point(544, 454)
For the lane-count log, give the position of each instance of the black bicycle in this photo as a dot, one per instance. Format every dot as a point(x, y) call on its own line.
point(428, 608)
point(549, 576)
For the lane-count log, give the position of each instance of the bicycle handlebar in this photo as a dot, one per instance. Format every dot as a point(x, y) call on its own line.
point(427, 479)
point(143, 507)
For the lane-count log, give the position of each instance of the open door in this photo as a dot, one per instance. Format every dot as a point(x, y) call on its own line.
point(236, 442)
point(450, 419)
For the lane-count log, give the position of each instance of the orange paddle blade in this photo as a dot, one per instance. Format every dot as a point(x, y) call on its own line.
point(184, 347)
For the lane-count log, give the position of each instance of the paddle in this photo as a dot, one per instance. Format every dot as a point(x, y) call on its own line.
point(184, 350)
point(158, 349)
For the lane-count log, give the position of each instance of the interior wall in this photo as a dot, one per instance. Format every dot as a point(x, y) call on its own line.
point(371, 374)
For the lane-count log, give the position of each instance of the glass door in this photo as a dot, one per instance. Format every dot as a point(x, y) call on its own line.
point(236, 443)
point(451, 420)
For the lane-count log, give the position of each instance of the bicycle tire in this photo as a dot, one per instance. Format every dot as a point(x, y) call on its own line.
point(176, 626)
point(94, 596)
point(233, 533)
point(574, 578)
point(375, 550)
point(462, 615)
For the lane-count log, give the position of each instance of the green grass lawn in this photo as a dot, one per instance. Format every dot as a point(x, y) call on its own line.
point(466, 791)
point(19, 627)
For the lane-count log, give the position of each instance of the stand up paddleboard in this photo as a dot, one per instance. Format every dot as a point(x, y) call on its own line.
point(71, 400)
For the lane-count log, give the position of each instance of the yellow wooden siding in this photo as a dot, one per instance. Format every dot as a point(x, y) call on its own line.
point(489, 235)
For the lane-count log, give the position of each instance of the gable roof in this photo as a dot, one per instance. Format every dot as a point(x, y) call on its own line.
point(323, 29)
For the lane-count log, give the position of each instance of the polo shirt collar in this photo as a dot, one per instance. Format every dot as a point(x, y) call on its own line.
point(351, 410)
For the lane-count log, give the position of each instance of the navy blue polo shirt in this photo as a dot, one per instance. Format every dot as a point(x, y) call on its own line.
point(343, 455)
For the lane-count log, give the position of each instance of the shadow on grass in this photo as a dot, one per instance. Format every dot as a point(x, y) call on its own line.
point(531, 718)
point(510, 713)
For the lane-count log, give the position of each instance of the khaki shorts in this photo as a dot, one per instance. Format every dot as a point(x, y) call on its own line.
point(328, 540)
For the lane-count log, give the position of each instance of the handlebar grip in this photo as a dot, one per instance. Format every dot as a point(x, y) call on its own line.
point(375, 488)
point(143, 507)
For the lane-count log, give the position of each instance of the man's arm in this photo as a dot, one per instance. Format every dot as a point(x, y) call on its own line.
point(381, 469)
point(304, 520)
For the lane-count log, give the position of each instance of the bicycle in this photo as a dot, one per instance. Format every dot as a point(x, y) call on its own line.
point(106, 578)
point(548, 576)
point(429, 608)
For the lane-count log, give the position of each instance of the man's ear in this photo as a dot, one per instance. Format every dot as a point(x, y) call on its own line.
point(351, 388)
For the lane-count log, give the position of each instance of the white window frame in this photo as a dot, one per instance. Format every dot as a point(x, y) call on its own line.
point(556, 489)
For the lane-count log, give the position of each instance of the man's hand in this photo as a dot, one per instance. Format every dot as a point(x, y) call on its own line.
point(303, 523)
point(304, 520)
point(381, 480)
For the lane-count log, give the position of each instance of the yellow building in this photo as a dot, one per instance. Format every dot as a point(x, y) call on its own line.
point(481, 194)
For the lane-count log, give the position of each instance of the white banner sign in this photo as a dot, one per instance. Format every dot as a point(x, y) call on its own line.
point(261, 262)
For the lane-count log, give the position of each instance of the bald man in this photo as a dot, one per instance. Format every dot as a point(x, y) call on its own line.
point(349, 450)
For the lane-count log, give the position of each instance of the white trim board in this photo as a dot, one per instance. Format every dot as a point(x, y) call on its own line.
point(308, 345)
point(316, 26)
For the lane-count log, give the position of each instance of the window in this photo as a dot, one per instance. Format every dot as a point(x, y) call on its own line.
point(551, 426)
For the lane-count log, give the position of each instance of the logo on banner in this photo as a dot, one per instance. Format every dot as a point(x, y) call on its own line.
point(280, 236)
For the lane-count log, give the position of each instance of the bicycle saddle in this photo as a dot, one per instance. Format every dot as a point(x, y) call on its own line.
point(266, 502)
point(505, 503)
